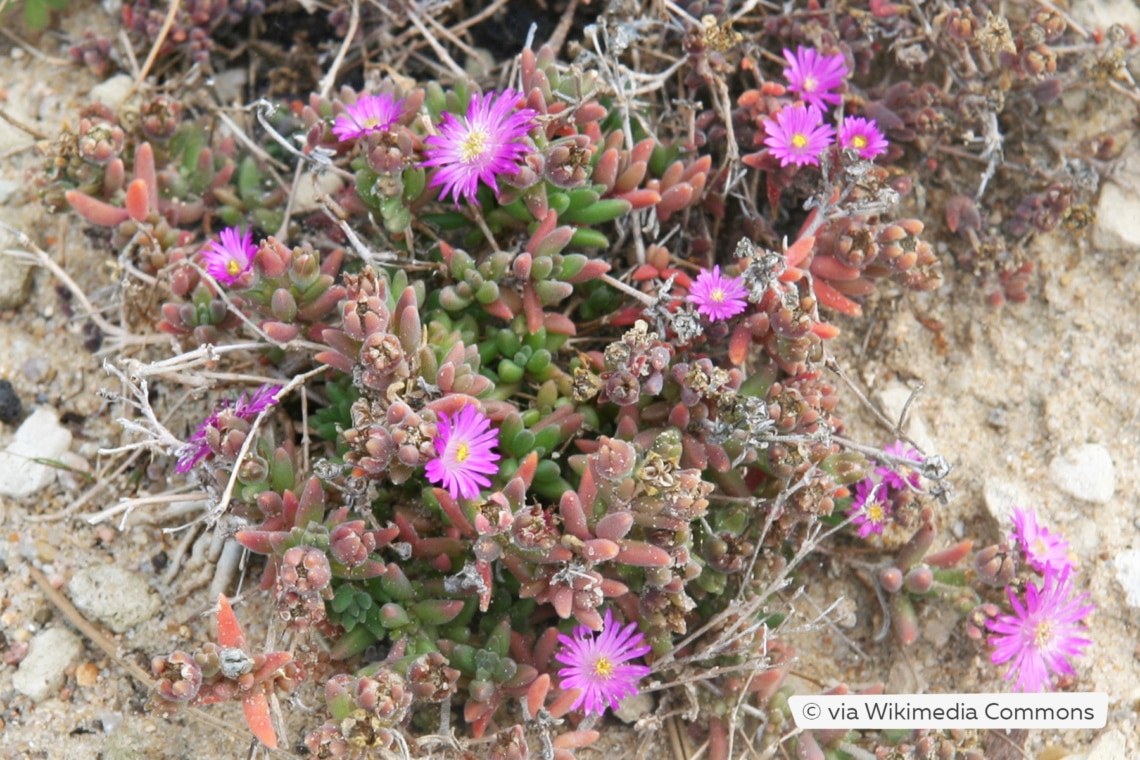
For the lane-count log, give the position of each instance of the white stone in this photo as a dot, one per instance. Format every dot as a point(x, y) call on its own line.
point(1000, 497)
point(635, 707)
point(15, 277)
point(117, 598)
point(311, 188)
point(1111, 745)
point(40, 437)
point(1116, 227)
point(8, 188)
point(112, 92)
point(1086, 473)
point(50, 653)
point(892, 399)
point(1128, 574)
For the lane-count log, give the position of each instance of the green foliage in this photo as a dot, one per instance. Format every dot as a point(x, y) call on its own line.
point(37, 13)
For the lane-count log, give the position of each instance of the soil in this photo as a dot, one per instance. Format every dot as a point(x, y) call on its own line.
point(1004, 392)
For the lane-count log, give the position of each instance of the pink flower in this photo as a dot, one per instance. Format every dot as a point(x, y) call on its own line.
point(863, 136)
point(899, 477)
point(813, 76)
point(481, 146)
point(228, 260)
point(870, 508)
point(1045, 552)
point(370, 113)
point(596, 664)
point(1041, 636)
point(798, 135)
point(245, 408)
point(263, 398)
point(716, 296)
point(464, 446)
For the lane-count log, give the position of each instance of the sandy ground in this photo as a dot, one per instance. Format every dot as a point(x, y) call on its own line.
point(1005, 392)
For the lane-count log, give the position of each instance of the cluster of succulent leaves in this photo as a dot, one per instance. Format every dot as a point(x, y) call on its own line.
point(648, 461)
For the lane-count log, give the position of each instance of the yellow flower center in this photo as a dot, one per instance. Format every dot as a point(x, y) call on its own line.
point(799, 140)
point(717, 295)
point(233, 269)
point(474, 145)
point(875, 512)
point(603, 667)
point(372, 122)
point(462, 452)
point(859, 141)
point(1039, 547)
point(1043, 634)
point(810, 84)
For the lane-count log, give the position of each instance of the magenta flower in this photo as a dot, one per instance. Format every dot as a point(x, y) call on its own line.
point(899, 477)
point(228, 260)
point(245, 408)
point(716, 296)
point(370, 113)
point(263, 398)
point(464, 446)
point(1041, 636)
point(863, 136)
point(798, 135)
point(814, 76)
point(596, 664)
point(870, 508)
point(481, 146)
point(1044, 551)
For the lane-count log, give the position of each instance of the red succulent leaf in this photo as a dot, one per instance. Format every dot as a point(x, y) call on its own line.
point(255, 706)
point(230, 634)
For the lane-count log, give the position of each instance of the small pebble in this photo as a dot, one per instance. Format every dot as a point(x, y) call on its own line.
point(51, 653)
point(1128, 575)
point(1001, 496)
point(1110, 745)
point(10, 406)
point(87, 674)
point(1086, 473)
point(117, 598)
point(39, 437)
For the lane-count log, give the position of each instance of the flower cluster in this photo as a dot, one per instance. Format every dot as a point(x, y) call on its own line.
point(797, 134)
point(1044, 632)
point(877, 496)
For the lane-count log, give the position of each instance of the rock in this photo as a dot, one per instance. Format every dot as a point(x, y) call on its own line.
point(634, 708)
point(10, 407)
point(1128, 574)
point(892, 400)
point(1111, 745)
point(310, 188)
point(1116, 227)
point(117, 598)
point(112, 92)
point(1000, 497)
point(8, 188)
point(15, 278)
point(1086, 473)
point(40, 437)
point(51, 653)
